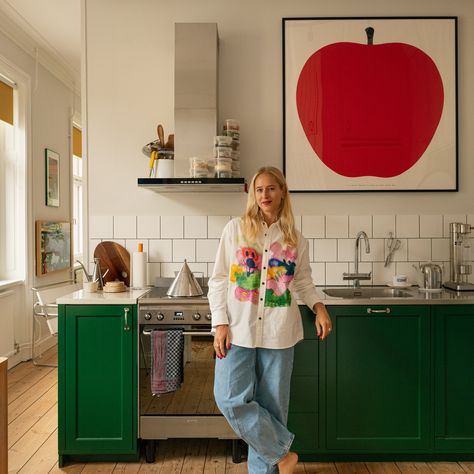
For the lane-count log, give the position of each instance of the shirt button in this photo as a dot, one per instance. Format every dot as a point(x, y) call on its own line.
point(263, 283)
point(266, 250)
point(265, 235)
point(264, 268)
point(260, 318)
point(261, 299)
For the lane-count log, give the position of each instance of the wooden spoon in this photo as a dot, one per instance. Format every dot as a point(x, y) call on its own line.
point(161, 135)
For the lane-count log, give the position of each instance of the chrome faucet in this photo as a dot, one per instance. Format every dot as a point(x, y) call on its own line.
point(86, 273)
point(356, 276)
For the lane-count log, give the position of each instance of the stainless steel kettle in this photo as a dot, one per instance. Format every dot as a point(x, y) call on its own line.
point(185, 284)
point(431, 276)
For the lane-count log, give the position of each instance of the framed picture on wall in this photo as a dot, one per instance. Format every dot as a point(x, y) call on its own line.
point(53, 246)
point(370, 104)
point(52, 177)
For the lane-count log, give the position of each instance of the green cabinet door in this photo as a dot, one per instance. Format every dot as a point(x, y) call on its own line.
point(303, 413)
point(378, 379)
point(97, 380)
point(454, 377)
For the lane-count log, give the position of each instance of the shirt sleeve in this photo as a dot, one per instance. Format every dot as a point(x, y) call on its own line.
point(219, 281)
point(303, 281)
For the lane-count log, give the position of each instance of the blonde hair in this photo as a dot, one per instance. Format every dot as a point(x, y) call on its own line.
point(252, 218)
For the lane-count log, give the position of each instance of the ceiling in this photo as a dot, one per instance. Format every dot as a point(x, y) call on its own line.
point(53, 25)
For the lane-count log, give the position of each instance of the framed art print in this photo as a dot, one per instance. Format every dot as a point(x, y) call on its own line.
point(52, 177)
point(370, 104)
point(53, 246)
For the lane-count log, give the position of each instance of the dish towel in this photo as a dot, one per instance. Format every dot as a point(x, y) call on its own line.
point(167, 349)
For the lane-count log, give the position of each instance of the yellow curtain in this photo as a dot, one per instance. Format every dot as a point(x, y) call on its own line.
point(6, 103)
point(77, 142)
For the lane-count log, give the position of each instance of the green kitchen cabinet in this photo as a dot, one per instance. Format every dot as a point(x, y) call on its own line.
point(377, 380)
point(454, 377)
point(304, 407)
point(97, 382)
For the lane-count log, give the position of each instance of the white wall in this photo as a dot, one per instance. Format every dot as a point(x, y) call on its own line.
point(130, 90)
point(52, 104)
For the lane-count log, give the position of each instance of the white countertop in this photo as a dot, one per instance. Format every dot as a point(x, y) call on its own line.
point(81, 297)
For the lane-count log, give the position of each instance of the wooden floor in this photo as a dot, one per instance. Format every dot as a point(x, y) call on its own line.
point(33, 439)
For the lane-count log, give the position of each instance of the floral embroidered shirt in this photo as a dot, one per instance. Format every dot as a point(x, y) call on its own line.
point(253, 285)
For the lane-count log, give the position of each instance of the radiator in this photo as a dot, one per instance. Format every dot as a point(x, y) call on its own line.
point(7, 338)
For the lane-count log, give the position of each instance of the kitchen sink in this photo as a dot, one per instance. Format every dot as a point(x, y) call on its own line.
point(367, 293)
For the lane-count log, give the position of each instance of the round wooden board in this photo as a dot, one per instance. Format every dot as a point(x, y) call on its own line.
point(116, 259)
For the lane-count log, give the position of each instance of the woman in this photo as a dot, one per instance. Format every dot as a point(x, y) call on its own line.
point(256, 322)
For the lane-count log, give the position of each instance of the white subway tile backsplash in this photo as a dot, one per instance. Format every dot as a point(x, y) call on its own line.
point(408, 269)
point(382, 275)
point(172, 227)
point(431, 226)
point(148, 227)
point(325, 250)
point(132, 246)
point(154, 272)
point(376, 254)
point(160, 250)
point(419, 250)
point(313, 227)
point(125, 227)
point(337, 227)
point(215, 226)
point(345, 250)
point(382, 225)
point(440, 249)
point(206, 250)
point(311, 249)
point(334, 273)
point(101, 227)
point(401, 254)
point(318, 272)
point(195, 227)
point(358, 223)
point(448, 218)
point(169, 240)
point(407, 226)
point(184, 249)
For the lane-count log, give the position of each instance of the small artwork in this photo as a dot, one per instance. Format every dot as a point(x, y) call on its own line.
point(53, 246)
point(370, 104)
point(52, 177)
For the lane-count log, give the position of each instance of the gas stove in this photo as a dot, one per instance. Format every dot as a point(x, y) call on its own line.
point(156, 307)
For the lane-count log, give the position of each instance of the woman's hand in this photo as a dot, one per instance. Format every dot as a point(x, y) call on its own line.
point(222, 340)
point(323, 321)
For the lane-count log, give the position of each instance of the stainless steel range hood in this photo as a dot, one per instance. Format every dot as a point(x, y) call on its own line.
point(195, 110)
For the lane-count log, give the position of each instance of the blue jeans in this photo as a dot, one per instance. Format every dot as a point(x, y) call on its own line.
point(252, 390)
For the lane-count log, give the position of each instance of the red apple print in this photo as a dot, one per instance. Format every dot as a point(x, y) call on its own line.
point(369, 110)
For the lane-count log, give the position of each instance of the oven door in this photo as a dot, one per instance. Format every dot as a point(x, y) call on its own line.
point(190, 411)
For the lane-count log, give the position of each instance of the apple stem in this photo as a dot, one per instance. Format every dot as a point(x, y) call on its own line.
point(370, 35)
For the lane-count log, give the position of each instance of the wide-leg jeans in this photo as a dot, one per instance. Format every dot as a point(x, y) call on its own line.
point(252, 390)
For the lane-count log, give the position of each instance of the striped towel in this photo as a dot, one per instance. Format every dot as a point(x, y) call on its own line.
point(167, 349)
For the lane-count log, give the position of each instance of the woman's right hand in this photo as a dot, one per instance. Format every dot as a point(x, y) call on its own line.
point(222, 340)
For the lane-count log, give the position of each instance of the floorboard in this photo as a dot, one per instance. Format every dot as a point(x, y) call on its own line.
point(32, 431)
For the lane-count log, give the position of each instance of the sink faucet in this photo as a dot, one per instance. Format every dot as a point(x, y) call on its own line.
point(86, 273)
point(356, 276)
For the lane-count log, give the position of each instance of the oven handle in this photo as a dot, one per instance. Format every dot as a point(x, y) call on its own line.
point(185, 333)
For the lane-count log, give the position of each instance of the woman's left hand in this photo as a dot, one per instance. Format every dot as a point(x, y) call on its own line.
point(322, 321)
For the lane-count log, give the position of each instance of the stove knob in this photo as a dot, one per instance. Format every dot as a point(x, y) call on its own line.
point(160, 316)
point(147, 316)
point(208, 316)
point(196, 316)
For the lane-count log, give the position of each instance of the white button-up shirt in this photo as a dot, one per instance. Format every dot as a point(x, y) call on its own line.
point(252, 287)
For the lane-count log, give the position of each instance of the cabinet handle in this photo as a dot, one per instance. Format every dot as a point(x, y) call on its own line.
point(372, 311)
point(125, 311)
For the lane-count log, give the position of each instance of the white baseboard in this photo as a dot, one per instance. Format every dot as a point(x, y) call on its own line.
point(24, 354)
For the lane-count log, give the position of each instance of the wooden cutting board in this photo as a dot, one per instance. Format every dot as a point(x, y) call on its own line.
point(116, 259)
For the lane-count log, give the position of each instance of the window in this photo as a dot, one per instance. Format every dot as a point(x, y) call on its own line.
point(12, 176)
point(77, 193)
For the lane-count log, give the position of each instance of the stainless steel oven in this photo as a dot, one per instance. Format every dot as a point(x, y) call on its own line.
point(190, 411)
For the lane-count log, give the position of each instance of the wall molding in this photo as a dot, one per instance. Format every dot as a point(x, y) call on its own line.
point(50, 61)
